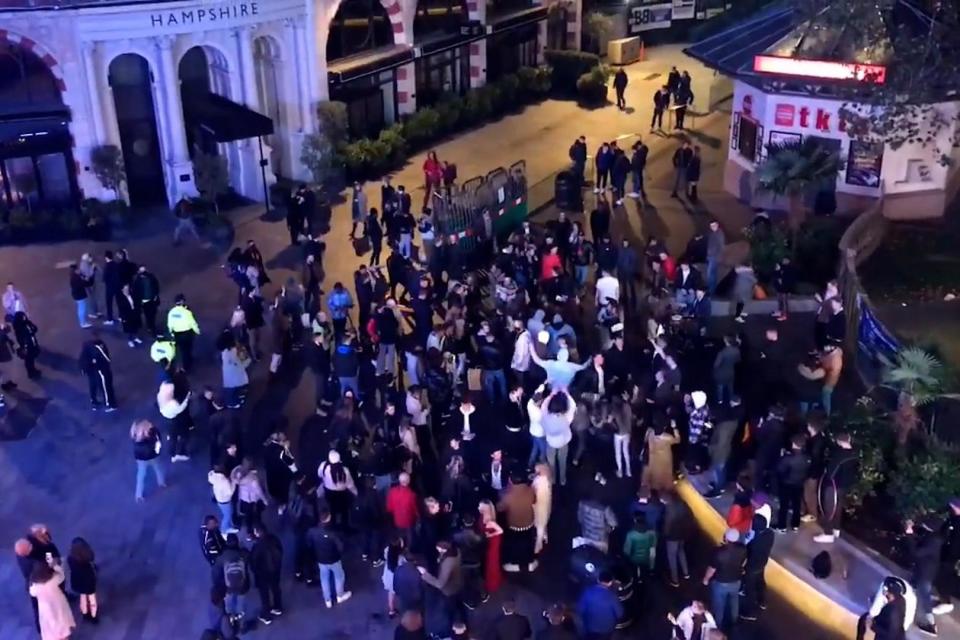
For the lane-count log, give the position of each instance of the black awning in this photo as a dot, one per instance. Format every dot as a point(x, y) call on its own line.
point(368, 63)
point(518, 19)
point(226, 120)
point(732, 50)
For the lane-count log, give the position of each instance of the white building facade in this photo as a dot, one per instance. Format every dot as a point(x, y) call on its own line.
point(127, 75)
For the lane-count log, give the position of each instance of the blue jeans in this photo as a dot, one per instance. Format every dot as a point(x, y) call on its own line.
point(726, 597)
point(349, 383)
point(226, 515)
point(580, 273)
point(142, 474)
point(724, 391)
point(719, 471)
point(82, 311)
point(382, 483)
point(539, 451)
point(493, 380)
point(684, 297)
point(406, 242)
point(235, 604)
point(713, 269)
point(826, 398)
point(328, 570)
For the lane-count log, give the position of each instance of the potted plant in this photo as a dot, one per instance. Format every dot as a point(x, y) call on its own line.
point(321, 152)
point(794, 169)
point(598, 26)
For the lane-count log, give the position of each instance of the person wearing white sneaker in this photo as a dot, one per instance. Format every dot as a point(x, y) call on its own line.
point(129, 312)
point(924, 544)
point(328, 550)
point(843, 467)
point(623, 418)
point(223, 489)
point(79, 286)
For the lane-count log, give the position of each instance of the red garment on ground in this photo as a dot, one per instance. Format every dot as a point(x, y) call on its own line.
point(402, 505)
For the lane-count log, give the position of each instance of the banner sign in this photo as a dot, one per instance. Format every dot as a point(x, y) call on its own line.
point(873, 339)
point(646, 17)
point(684, 9)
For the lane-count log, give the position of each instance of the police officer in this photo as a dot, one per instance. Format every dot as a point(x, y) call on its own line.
point(95, 363)
point(163, 351)
point(183, 326)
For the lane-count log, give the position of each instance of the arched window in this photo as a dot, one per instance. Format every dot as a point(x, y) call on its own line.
point(436, 17)
point(360, 25)
point(25, 80)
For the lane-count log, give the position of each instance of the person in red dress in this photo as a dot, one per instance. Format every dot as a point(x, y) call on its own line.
point(493, 532)
point(432, 175)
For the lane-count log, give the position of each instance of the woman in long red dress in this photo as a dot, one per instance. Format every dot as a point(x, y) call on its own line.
point(493, 532)
point(432, 175)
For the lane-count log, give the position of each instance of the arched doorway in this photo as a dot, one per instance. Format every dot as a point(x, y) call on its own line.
point(363, 26)
point(202, 70)
point(268, 64)
point(132, 85)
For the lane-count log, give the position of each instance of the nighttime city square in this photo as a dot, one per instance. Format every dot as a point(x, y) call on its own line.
point(480, 319)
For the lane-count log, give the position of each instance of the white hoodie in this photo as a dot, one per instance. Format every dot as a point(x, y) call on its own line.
point(521, 353)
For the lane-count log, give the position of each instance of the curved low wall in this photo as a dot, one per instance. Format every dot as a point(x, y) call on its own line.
point(832, 616)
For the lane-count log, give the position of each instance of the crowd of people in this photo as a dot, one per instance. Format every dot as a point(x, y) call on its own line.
point(455, 409)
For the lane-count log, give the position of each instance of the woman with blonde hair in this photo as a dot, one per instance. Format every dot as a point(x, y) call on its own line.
point(53, 611)
point(543, 488)
point(146, 451)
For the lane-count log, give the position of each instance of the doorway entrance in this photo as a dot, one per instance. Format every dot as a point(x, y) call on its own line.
point(132, 85)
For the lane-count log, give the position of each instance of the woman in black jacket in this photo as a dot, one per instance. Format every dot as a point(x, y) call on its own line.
point(146, 451)
point(28, 347)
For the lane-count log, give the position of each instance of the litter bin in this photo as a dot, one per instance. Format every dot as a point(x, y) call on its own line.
point(566, 190)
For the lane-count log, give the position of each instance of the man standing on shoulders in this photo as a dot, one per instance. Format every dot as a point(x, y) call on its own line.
point(620, 85)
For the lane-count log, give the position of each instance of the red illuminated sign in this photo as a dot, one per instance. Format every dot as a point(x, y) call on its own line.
point(824, 69)
point(784, 114)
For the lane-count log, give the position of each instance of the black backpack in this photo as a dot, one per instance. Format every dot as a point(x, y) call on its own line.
point(821, 565)
point(235, 573)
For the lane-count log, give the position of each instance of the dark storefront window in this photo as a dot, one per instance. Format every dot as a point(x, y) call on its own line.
point(508, 51)
point(506, 7)
point(371, 102)
point(360, 25)
point(442, 73)
point(36, 162)
point(435, 17)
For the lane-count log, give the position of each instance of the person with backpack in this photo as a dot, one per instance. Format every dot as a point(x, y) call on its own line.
point(266, 560)
point(231, 572)
point(328, 549)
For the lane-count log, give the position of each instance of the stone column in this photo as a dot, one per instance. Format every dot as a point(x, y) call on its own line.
point(92, 70)
point(406, 89)
point(178, 166)
point(248, 71)
point(297, 57)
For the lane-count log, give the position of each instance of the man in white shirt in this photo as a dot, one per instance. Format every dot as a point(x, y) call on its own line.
point(520, 363)
point(608, 288)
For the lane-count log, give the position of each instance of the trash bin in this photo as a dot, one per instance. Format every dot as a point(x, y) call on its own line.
point(567, 194)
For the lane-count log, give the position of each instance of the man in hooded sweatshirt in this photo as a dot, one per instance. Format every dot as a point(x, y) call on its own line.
point(759, 547)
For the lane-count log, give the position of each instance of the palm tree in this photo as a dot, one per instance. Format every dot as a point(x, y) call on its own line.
point(920, 378)
point(794, 169)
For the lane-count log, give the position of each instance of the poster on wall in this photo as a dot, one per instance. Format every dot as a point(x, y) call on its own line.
point(647, 15)
point(779, 138)
point(684, 9)
point(735, 131)
point(864, 162)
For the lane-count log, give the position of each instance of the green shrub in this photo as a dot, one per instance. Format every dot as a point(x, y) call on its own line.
point(873, 436)
point(768, 246)
point(422, 126)
point(394, 143)
point(925, 481)
point(592, 86)
point(567, 67)
point(509, 90)
point(494, 98)
point(450, 111)
point(477, 106)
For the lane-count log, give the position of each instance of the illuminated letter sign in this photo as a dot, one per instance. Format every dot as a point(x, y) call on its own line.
point(823, 69)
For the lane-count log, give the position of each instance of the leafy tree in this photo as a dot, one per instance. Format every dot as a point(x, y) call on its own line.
point(211, 178)
point(599, 26)
point(107, 162)
point(794, 169)
point(918, 42)
point(322, 151)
